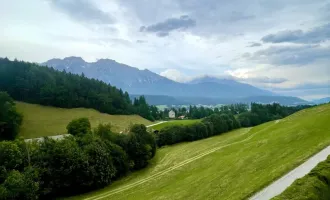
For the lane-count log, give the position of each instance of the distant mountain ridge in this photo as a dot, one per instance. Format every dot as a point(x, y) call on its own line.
point(145, 82)
point(168, 100)
point(321, 101)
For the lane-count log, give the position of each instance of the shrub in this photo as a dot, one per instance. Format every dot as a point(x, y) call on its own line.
point(10, 156)
point(100, 166)
point(20, 185)
point(62, 165)
point(79, 126)
point(141, 146)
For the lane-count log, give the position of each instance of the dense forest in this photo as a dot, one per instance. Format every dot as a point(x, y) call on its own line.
point(32, 83)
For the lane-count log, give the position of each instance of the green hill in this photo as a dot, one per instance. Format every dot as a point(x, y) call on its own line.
point(42, 121)
point(229, 166)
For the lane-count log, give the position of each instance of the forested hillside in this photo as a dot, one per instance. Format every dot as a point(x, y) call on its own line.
point(32, 83)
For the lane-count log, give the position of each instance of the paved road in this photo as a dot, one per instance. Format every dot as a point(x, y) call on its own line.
point(281, 184)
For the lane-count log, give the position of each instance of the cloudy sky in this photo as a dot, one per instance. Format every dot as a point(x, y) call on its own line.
point(280, 45)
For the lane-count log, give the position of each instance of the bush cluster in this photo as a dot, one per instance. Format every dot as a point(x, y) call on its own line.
point(214, 124)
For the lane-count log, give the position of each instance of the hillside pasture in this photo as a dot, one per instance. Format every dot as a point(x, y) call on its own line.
point(42, 121)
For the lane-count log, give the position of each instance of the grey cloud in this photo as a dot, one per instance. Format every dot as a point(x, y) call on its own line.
point(163, 29)
point(291, 55)
point(82, 10)
point(254, 44)
point(141, 41)
point(238, 16)
point(306, 86)
point(316, 35)
point(265, 79)
point(220, 17)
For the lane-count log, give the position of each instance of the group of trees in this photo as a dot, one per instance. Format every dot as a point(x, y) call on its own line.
point(222, 120)
point(46, 86)
point(81, 162)
point(214, 124)
point(263, 113)
point(199, 112)
point(10, 119)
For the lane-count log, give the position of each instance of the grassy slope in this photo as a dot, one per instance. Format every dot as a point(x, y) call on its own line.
point(313, 186)
point(46, 121)
point(175, 122)
point(241, 163)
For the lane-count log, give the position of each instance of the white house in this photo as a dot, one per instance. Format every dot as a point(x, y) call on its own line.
point(171, 114)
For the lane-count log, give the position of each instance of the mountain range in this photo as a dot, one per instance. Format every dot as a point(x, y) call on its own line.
point(145, 82)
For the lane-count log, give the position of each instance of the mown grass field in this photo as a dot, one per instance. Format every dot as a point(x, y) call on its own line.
point(42, 121)
point(230, 166)
point(175, 122)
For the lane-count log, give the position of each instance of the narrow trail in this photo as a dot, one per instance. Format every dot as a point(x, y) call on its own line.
point(59, 137)
point(156, 124)
point(161, 173)
point(281, 184)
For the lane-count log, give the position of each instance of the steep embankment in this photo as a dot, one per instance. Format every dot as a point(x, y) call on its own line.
point(230, 166)
point(42, 121)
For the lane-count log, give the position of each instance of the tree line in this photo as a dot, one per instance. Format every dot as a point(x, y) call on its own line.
point(32, 83)
point(214, 124)
point(86, 160)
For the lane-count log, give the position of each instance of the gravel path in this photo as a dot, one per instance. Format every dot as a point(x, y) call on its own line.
point(55, 137)
point(59, 137)
point(156, 124)
point(281, 184)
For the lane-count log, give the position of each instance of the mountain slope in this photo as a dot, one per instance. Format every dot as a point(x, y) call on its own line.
point(145, 82)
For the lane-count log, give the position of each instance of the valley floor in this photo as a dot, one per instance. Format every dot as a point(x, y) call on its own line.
point(231, 166)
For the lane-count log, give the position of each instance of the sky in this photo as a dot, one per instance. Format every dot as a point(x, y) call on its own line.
point(279, 45)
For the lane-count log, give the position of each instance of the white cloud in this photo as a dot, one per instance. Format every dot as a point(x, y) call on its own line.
point(175, 75)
